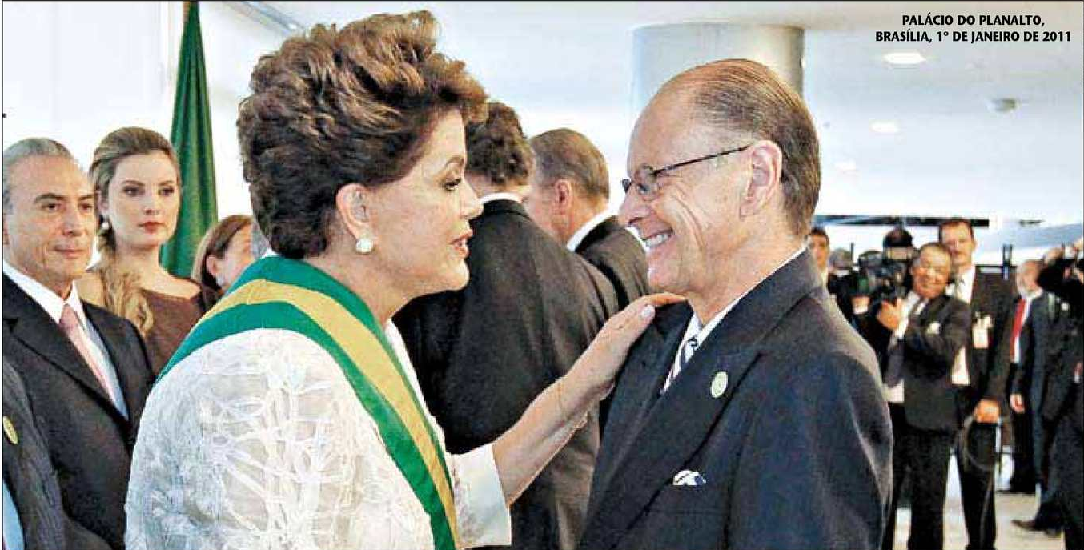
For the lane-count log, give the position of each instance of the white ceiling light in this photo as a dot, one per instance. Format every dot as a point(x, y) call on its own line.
point(846, 166)
point(904, 58)
point(885, 127)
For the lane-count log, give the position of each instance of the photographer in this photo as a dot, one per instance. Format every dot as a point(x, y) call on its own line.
point(917, 339)
point(1062, 408)
point(884, 276)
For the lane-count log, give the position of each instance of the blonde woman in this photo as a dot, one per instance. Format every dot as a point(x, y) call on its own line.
point(137, 185)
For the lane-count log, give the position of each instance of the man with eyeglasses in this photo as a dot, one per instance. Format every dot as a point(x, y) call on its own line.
point(752, 415)
point(917, 339)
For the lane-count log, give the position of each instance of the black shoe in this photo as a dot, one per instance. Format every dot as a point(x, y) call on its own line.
point(1034, 527)
point(1027, 525)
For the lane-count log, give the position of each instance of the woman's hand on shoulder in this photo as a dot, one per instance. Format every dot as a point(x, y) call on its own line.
point(603, 358)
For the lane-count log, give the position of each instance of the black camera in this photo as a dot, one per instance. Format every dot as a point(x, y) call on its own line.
point(885, 275)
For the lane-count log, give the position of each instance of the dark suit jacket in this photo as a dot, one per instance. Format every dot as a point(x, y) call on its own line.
point(90, 442)
point(795, 453)
point(619, 256)
point(484, 353)
point(988, 369)
point(1036, 346)
point(843, 289)
point(930, 345)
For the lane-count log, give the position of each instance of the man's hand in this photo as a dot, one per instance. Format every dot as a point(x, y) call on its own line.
point(986, 412)
point(1016, 401)
point(861, 304)
point(890, 314)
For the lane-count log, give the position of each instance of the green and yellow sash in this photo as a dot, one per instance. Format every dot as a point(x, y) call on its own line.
point(292, 295)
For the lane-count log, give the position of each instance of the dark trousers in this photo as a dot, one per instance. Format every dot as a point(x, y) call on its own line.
point(923, 457)
point(975, 461)
point(1024, 475)
point(1049, 513)
point(1066, 458)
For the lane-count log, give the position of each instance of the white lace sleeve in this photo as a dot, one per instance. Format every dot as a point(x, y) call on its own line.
point(257, 441)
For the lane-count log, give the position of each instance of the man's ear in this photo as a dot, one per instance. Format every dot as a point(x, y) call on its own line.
point(765, 171)
point(352, 204)
point(562, 196)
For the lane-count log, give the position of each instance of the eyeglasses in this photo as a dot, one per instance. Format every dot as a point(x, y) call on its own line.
point(646, 178)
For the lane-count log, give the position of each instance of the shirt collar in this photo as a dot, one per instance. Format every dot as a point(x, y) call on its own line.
point(503, 195)
point(50, 301)
point(702, 332)
point(581, 233)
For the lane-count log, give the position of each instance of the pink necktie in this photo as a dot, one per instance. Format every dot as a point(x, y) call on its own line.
point(74, 330)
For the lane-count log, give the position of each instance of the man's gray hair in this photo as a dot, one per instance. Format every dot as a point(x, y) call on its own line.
point(26, 148)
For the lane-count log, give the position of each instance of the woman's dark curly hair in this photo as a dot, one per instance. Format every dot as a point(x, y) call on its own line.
point(497, 147)
point(355, 105)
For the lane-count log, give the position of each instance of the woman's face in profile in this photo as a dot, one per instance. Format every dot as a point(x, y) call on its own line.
point(142, 201)
point(420, 223)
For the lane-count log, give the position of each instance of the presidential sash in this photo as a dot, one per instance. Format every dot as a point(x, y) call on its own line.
point(279, 293)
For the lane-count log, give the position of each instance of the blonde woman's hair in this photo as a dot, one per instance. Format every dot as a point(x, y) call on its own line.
point(121, 288)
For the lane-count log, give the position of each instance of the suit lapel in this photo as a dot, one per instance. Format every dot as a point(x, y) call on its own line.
point(29, 324)
point(638, 389)
point(682, 419)
point(133, 383)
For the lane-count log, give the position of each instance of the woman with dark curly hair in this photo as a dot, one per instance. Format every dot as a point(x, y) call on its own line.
point(286, 420)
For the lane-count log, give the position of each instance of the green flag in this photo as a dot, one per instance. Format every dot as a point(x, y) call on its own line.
point(191, 137)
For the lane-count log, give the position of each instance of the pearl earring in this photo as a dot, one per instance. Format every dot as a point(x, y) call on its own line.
point(364, 245)
point(105, 225)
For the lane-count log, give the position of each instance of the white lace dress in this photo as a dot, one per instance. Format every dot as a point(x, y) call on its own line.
point(257, 441)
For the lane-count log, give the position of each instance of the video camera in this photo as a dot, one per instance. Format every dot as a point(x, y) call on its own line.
point(885, 275)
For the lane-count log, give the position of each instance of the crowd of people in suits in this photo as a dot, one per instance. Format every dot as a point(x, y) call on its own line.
point(962, 352)
point(550, 398)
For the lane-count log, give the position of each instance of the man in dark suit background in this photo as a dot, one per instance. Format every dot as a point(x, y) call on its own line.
point(37, 516)
point(1063, 405)
point(1032, 351)
point(751, 416)
point(570, 188)
point(840, 288)
point(981, 372)
point(917, 340)
point(530, 309)
point(85, 369)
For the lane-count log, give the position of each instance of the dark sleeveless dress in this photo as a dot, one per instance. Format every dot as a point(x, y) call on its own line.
point(174, 318)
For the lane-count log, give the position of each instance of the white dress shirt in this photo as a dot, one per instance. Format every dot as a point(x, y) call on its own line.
point(962, 289)
point(53, 305)
point(581, 233)
point(694, 327)
point(501, 196)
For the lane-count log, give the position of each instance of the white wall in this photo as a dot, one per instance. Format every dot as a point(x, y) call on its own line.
point(75, 71)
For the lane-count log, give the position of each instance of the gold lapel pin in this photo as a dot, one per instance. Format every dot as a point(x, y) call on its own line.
point(9, 431)
point(718, 384)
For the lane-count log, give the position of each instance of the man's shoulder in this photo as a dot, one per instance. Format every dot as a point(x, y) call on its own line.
point(815, 331)
point(616, 246)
